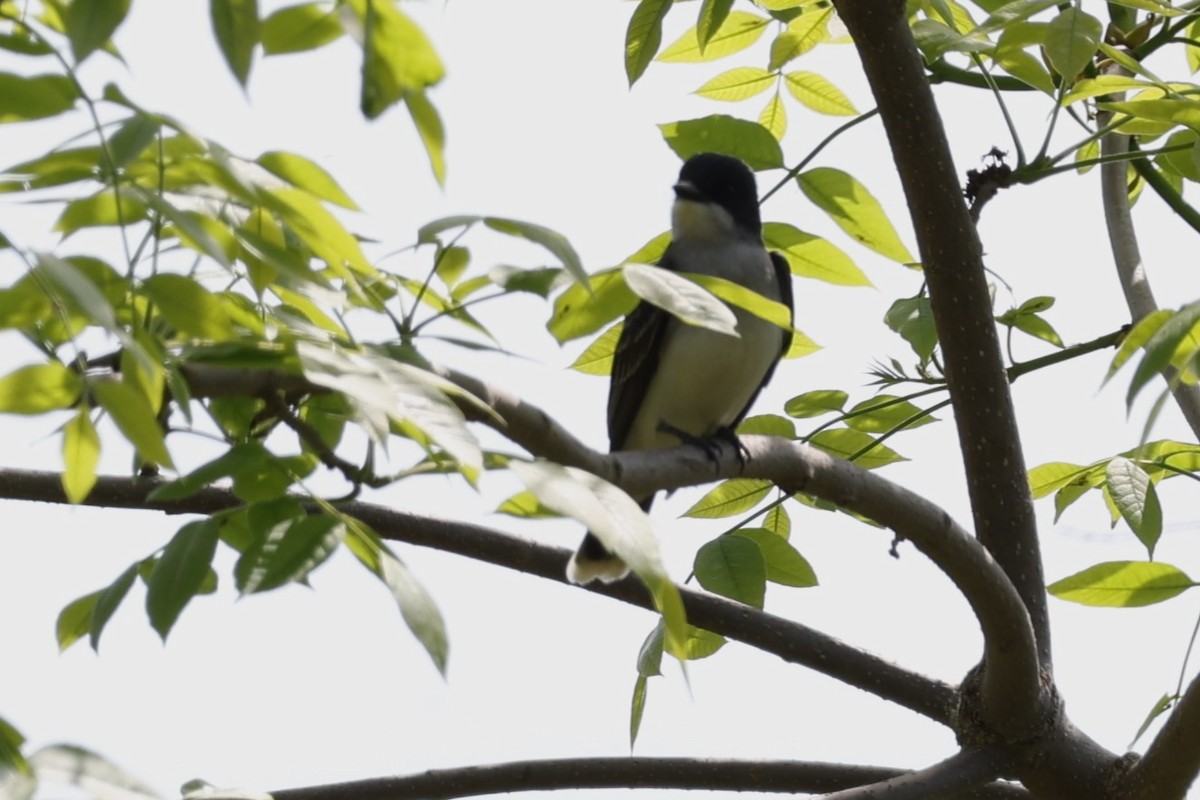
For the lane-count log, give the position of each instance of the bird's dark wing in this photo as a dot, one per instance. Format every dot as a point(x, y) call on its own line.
point(783, 277)
point(634, 364)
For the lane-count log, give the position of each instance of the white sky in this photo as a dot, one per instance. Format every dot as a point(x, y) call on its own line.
point(299, 687)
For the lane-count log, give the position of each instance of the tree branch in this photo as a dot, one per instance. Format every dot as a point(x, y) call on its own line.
point(1172, 761)
point(950, 252)
point(1127, 257)
point(626, 773)
point(788, 640)
point(955, 777)
point(1008, 636)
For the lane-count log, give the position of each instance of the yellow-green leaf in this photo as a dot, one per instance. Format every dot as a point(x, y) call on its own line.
point(812, 256)
point(801, 35)
point(305, 174)
point(739, 83)
point(730, 497)
point(38, 388)
point(598, 357)
point(643, 37)
point(774, 116)
point(134, 417)
point(819, 94)
point(1123, 584)
point(1071, 40)
point(855, 210)
point(740, 30)
point(81, 454)
point(188, 306)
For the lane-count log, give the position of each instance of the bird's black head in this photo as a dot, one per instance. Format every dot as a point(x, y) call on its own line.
point(724, 181)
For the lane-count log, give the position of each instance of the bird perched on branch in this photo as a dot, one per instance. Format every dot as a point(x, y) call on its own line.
point(673, 382)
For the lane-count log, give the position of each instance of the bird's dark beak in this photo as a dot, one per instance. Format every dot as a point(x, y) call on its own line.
point(686, 191)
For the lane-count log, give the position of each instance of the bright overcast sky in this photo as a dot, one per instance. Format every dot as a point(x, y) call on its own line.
point(299, 687)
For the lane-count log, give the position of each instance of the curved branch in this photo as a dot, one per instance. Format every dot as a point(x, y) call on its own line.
point(957, 776)
point(788, 640)
point(1172, 761)
point(1008, 636)
point(952, 257)
point(625, 773)
point(1127, 257)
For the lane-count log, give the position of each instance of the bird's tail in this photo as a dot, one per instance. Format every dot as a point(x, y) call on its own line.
point(593, 561)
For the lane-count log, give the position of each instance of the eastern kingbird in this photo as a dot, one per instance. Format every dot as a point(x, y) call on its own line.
point(673, 382)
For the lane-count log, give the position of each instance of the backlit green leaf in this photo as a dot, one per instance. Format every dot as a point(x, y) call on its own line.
point(236, 25)
point(35, 97)
point(855, 210)
point(774, 116)
point(301, 27)
point(1123, 584)
point(784, 563)
point(1071, 40)
point(579, 313)
point(812, 256)
point(555, 242)
point(75, 620)
point(643, 37)
point(38, 388)
point(431, 130)
point(107, 601)
point(713, 14)
point(801, 35)
point(912, 318)
point(305, 174)
point(188, 306)
point(1134, 495)
point(90, 24)
point(819, 94)
point(397, 56)
point(1051, 477)
point(598, 357)
point(734, 496)
point(748, 141)
point(81, 454)
point(739, 83)
point(740, 30)
point(884, 413)
point(855, 446)
point(133, 415)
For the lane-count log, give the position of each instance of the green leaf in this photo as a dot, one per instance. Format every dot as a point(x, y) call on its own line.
point(1051, 477)
point(748, 141)
point(75, 620)
point(38, 388)
point(618, 522)
point(1160, 707)
point(680, 297)
point(643, 37)
point(91, 23)
point(734, 496)
point(733, 567)
point(1135, 497)
point(740, 30)
point(553, 241)
point(11, 759)
point(774, 117)
point(133, 137)
point(236, 25)
point(815, 403)
point(778, 522)
point(812, 256)
point(737, 84)
point(107, 602)
point(1008, 13)
point(397, 56)
point(1071, 41)
point(133, 416)
point(784, 563)
point(855, 210)
point(319, 229)
point(884, 413)
point(180, 573)
point(100, 209)
point(307, 175)
point(1012, 56)
point(431, 130)
point(81, 454)
point(819, 94)
point(288, 552)
point(637, 709)
point(1122, 584)
point(188, 306)
point(35, 97)
point(848, 444)
point(526, 506)
point(578, 312)
point(739, 296)
point(801, 35)
point(598, 357)
point(417, 608)
point(936, 39)
point(1038, 328)
point(295, 29)
point(1168, 111)
point(1170, 335)
point(767, 425)
point(912, 318)
point(713, 14)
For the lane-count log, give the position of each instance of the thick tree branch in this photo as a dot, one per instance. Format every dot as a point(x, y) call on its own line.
point(788, 640)
point(952, 259)
point(1008, 636)
point(1127, 257)
point(957, 776)
point(626, 773)
point(1172, 761)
